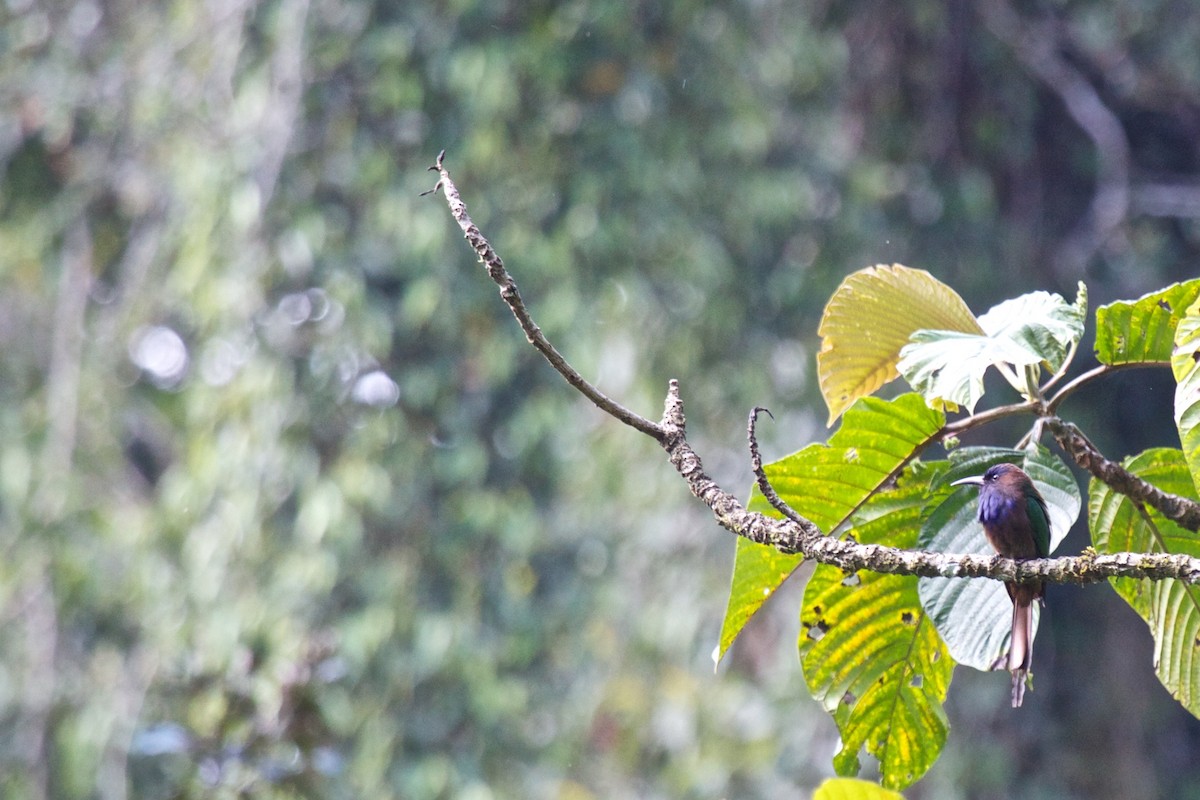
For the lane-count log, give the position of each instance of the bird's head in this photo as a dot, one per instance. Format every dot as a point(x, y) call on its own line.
point(1005, 489)
point(1007, 478)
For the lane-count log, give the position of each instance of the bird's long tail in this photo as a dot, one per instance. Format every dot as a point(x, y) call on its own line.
point(1020, 650)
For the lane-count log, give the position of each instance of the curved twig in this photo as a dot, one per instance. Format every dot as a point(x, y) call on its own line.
point(760, 475)
point(786, 535)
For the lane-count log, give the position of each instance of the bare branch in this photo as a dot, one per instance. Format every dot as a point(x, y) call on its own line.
point(1092, 374)
point(961, 426)
point(804, 537)
point(795, 534)
point(512, 297)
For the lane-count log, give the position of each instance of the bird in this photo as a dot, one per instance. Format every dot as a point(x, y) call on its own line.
point(1017, 525)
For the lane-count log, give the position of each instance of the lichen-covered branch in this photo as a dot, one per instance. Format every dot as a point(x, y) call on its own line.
point(1181, 510)
point(799, 535)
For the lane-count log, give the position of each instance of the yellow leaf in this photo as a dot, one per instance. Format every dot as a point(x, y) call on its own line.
point(869, 318)
point(853, 789)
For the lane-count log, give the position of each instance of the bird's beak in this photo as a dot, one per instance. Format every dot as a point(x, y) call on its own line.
point(974, 480)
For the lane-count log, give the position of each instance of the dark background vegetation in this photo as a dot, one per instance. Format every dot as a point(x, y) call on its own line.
point(289, 508)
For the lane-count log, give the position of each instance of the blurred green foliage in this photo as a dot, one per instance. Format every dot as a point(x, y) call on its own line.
point(290, 509)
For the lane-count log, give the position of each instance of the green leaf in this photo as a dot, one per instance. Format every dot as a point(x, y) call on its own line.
point(1171, 609)
point(872, 657)
point(758, 570)
point(826, 483)
point(1142, 331)
point(853, 789)
point(947, 367)
point(869, 318)
point(1185, 363)
point(975, 617)
point(1040, 323)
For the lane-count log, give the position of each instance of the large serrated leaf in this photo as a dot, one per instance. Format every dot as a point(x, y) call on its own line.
point(872, 657)
point(975, 617)
point(853, 789)
point(1185, 363)
point(1170, 608)
point(827, 483)
point(1142, 331)
point(947, 367)
point(869, 318)
point(1040, 323)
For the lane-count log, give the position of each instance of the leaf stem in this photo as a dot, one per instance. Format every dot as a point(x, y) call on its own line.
point(1032, 373)
point(1010, 375)
point(961, 426)
point(1062, 371)
point(1092, 374)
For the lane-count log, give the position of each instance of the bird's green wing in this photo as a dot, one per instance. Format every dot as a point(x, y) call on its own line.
point(1039, 520)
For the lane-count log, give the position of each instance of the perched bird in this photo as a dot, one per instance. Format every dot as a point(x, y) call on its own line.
point(1017, 525)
